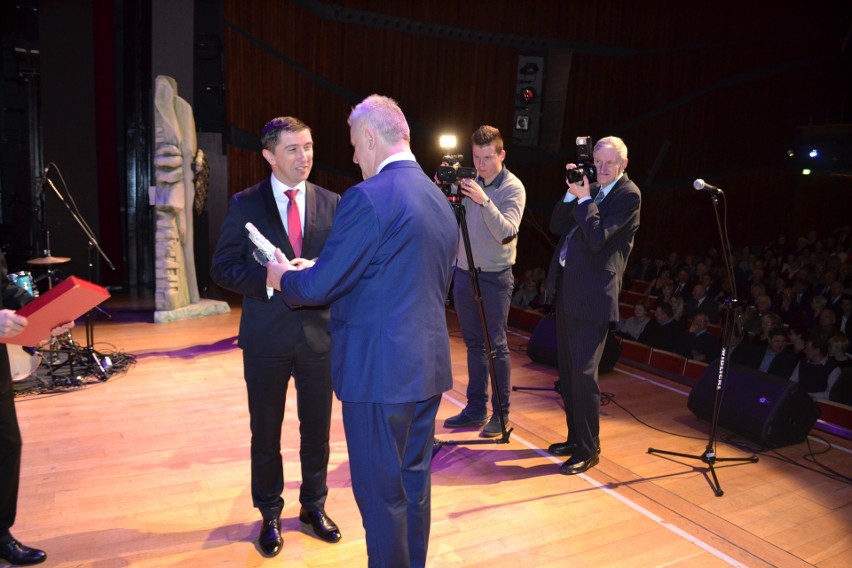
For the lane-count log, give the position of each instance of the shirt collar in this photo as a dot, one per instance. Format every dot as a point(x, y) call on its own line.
point(398, 157)
point(607, 188)
point(498, 179)
point(281, 187)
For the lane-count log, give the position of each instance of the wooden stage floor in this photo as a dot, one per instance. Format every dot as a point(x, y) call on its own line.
point(151, 468)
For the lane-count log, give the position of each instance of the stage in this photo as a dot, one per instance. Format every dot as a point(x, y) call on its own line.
point(151, 468)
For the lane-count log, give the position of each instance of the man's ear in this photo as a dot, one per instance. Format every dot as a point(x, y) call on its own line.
point(269, 156)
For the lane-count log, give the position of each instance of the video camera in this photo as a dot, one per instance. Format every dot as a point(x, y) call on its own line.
point(453, 171)
point(585, 162)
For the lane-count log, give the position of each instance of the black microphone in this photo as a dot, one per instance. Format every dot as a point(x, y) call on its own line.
point(700, 184)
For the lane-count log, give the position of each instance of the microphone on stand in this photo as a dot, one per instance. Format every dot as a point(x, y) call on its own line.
point(42, 183)
point(701, 185)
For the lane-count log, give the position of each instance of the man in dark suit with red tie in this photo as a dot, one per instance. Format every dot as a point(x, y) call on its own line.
point(597, 223)
point(276, 340)
point(386, 270)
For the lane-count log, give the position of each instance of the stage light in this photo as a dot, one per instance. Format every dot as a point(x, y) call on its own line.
point(447, 141)
point(806, 172)
point(813, 153)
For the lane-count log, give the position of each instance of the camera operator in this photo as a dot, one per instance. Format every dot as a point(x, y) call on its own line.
point(597, 222)
point(493, 210)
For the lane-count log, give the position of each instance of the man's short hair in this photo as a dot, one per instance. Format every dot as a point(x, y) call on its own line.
point(613, 142)
point(273, 129)
point(384, 115)
point(486, 135)
point(666, 308)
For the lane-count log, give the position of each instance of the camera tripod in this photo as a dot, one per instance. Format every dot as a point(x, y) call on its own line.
point(458, 208)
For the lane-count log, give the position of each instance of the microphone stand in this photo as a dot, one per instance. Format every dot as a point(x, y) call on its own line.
point(709, 456)
point(89, 351)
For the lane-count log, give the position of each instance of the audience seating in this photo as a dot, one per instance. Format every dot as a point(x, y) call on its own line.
point(635, 351)
point(667, 361)
point(694, 369)
point(630, 297)
point(640, 286)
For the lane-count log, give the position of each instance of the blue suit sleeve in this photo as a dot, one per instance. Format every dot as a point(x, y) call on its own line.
point(347, 255)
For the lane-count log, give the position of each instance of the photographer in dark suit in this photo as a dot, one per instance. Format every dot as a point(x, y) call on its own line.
point(296, 216)
point(597, 222)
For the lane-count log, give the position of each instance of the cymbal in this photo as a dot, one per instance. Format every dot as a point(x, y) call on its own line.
point(49, 260)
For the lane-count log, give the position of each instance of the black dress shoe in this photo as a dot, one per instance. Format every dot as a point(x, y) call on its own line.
point(322, 524)
point(269, 542)
point(575, 465)
point(17, 554)
point(562, 449)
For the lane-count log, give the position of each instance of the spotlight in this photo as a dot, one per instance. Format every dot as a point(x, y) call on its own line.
point(813, 153)
point(806, 172)
point(447, 141)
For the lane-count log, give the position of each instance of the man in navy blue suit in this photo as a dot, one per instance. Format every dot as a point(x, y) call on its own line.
point(597, 223)
point(386, 271)
point(277, 341)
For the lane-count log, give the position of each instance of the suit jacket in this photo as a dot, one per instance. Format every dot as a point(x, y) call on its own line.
point(708, 306)
point(386, 269)
point(597, 252)
point(268, 325)
point(14, 297)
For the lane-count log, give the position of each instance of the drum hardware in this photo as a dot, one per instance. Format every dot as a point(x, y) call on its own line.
point(24, 279)
point(48, 260)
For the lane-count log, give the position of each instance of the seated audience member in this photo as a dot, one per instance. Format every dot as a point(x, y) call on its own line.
point(683, 284)
point(785, 307)
point(810, 317)
point(663, 279)
point(663, 332)
point(826, 326)
point(767, 323)
point(700, 302)
point(816, 373)
point(645, 270)
point(775, 357)
point(527, 294)
point(835, 297)
point(700, 344)
point(838, 350)
point(845, 317)
point(802, 293)
point(676, 302)
point(754, 314)
point(633, 326)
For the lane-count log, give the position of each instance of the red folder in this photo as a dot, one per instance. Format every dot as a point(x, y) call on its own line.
point(65, 302)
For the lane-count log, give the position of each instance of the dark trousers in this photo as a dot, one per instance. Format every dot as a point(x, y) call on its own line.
point(10, 450)
point(496, 291)
point(580, 345)
point(267, 377)
point(390, 451)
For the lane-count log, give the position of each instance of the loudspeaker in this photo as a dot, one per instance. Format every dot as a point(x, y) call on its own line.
point(542, 346)
point(763, 408)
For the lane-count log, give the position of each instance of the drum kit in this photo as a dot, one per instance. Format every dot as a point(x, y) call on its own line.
point(21, 363)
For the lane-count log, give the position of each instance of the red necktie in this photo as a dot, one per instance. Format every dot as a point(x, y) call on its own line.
point(294, 224)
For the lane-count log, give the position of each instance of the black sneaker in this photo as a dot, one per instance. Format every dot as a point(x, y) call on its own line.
point(493, 428)
point(463, 419)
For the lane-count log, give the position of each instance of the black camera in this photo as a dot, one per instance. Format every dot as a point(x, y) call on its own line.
point(585, 162)
point(453, 171)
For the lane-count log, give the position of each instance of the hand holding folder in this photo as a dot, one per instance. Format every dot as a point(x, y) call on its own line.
point(63, 303)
